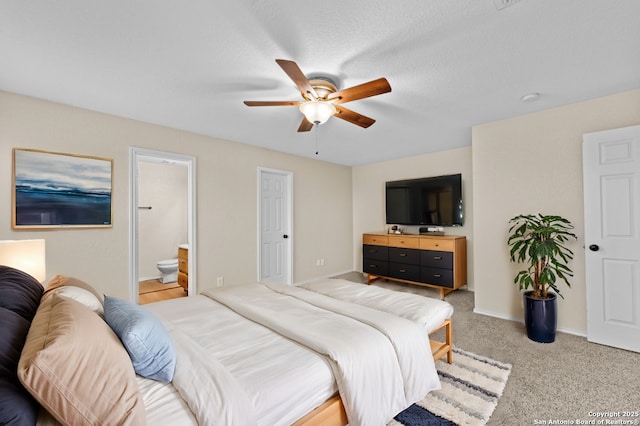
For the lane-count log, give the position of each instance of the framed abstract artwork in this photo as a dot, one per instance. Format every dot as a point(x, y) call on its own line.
point(55, 190)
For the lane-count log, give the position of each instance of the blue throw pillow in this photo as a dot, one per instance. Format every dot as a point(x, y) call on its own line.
point(144, 337)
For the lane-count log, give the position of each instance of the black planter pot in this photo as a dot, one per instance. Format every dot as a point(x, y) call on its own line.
point(540, 317)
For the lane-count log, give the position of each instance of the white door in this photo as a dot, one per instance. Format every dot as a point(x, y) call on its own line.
point(612, 236)
point(274, 233)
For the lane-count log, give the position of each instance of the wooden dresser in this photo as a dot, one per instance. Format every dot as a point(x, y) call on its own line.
point(183, 268)
point(427, 260)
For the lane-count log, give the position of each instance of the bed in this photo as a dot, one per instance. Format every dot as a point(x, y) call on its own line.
point(250, 354)
point(432, 314)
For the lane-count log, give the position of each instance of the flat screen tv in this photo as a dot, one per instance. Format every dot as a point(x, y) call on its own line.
point(435, 201)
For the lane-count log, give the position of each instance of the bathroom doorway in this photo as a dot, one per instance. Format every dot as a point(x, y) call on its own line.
point(162, 225)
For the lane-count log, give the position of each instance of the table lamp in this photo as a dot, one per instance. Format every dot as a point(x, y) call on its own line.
point(25, 255)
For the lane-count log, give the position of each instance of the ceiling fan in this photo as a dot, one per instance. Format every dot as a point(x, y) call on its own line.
point(322, 99)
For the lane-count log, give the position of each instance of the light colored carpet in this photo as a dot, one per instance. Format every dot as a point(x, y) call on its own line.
point(570, 379)
point(471, 387)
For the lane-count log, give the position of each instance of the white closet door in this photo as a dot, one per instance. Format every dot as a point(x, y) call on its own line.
point(612, 236)
point(275, 263)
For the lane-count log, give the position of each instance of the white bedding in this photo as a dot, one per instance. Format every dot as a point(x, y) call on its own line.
point(254, 356)
point(428, 312)
point(382, 363)
point(232, 370)
point(163, 404)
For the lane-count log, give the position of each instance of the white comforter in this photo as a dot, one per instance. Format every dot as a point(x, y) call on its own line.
point(282, 379)
point(213, 394)
point(382, 363)
point(424, 310)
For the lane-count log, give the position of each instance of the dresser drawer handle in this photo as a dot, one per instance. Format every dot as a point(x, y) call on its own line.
point(437, 257)
point(403, 254)
point(373, 266)
point(373, 251)
point(437, 276)
point(403, 270)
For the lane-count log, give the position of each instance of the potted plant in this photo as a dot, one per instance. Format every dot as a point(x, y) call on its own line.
point(539, 242)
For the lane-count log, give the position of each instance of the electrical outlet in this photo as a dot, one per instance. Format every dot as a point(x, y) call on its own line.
point(220, 281)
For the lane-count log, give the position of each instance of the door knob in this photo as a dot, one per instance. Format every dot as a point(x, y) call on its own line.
point(594, 247)
point(285, 236)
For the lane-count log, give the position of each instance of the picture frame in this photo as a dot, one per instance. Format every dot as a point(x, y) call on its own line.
point(53, 190)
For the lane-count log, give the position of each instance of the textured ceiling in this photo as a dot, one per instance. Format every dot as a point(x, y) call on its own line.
point(451, 64)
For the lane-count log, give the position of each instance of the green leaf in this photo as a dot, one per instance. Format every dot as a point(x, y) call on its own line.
point(538, 242)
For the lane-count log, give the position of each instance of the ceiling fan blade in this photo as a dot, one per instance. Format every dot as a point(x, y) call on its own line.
point(353, 117)
point(364, 90)
point(305, 125)
point(271, 103)
point(298, 77)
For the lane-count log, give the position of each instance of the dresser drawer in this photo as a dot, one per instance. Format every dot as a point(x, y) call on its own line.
point(404, 255)
point(437, 276)
point(375, 267)
point(376, 240)
point(375, 252)
point(183, 265)
point(183, 280)
point(404, 272)
point(436, 259)
point(404, 241)
point(441, 244)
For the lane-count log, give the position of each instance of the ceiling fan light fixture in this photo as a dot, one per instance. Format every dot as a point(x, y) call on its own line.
point(317, 112)
point(322, 99)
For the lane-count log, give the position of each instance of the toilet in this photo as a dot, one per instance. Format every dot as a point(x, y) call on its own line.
point(169, 270)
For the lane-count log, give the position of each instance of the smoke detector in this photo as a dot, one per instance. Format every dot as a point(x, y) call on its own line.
point(501, 4)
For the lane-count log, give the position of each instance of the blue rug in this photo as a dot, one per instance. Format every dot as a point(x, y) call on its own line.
point(471, 388)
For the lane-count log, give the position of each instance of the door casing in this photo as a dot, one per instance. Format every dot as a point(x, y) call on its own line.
point(141, 154)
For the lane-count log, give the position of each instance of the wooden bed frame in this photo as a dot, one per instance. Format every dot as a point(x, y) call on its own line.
point(332, 412)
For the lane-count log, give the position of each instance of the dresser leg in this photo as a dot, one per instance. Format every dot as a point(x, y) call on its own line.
point(444, 292)
point(371, 278)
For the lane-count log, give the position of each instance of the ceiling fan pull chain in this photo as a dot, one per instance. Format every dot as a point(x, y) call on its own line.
point(317, 125)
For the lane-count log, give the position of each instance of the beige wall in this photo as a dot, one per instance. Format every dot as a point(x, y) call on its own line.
point(531, 164)
point(369, 197)
point(226, 197)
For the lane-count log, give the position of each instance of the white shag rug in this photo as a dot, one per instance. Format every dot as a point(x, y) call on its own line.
point(471, 387)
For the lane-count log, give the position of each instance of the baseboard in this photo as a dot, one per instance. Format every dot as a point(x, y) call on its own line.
point(495, 315)
point(573, 332)
point(520, 320)
point(332, 275)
